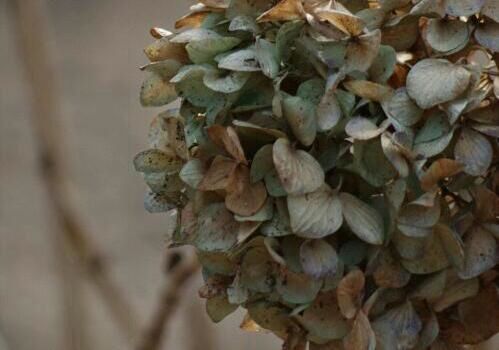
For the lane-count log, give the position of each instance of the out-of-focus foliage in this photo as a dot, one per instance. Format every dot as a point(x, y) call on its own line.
point(335, 165)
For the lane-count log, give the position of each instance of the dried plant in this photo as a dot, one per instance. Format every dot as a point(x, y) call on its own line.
point(334, 164)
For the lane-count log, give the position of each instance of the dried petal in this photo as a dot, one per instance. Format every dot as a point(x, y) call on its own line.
point(439, 170)
point(323, 319)
point(219, 175)
point(219, 308)
point(301, 117)
point(350, 293)
point(298, 171)
point(344, 21)
point(480, 251)
point(244, 60)
point(361, 337)
point(474, 151)
point(363, 220)
point(398, 328)
point(361, 53)
point(361, 128)
point(316, 214)
point(446, 36)
point(389, 273)
point(318, 258)
point(285, 10)
point(297, 288)
point(434, 81)
point(216, 229)
point(328, 111)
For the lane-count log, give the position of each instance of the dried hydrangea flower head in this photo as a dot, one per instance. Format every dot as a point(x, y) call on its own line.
point(334, 163)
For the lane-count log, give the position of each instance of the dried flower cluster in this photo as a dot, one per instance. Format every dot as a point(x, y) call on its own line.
point(335, 165)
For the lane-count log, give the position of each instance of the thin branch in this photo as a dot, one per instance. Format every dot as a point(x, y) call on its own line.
point(179, 272)
point(71, 295)
point(33, 39)
point(205, 337)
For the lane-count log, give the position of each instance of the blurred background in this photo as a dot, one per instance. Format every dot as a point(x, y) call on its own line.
point(46, 302)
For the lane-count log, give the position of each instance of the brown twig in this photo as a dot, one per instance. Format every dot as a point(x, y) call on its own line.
point(179, 273)
point(33, 39)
